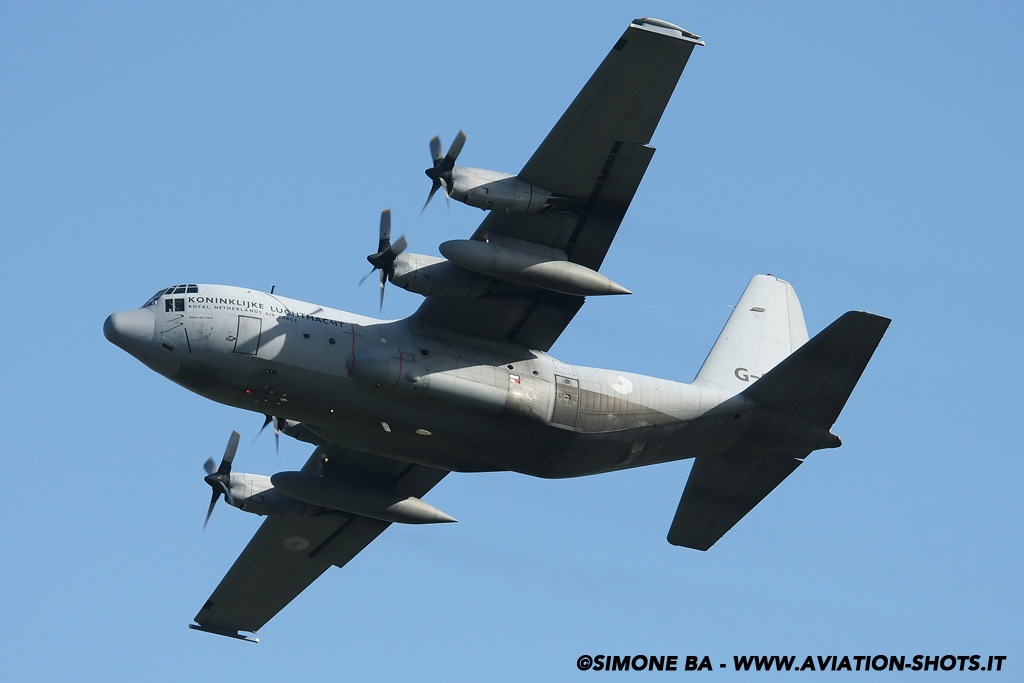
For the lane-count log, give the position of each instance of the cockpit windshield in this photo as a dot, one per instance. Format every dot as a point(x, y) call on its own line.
point(176, 289)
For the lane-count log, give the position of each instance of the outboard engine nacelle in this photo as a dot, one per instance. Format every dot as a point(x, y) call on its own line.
point(496, 191)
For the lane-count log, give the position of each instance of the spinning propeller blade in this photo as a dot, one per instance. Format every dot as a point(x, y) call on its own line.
point(220, 480)
point(441, 172)
point(384, 259)
point(277, 422)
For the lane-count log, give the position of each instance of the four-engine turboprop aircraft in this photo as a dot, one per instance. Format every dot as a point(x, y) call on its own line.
point(465, 383)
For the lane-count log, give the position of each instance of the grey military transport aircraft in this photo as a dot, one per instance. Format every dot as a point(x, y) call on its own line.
point(465, 384)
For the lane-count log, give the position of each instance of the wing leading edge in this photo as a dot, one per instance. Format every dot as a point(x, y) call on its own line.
point(593, 160)
point(287, 554)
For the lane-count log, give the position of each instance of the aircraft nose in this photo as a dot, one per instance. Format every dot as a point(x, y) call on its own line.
point(131, 330)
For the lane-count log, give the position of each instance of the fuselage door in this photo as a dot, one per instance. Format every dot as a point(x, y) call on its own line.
point(248, 338)
point(567, 401)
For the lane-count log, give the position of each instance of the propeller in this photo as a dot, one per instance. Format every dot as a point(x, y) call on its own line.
point(384, 259)
point(220, 480)
point(278, 423)
point(441, 172)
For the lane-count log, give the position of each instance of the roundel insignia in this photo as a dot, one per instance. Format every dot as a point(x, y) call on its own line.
point(620, 384)
point(296, 543)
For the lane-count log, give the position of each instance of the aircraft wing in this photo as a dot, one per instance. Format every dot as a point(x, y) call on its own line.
point(592, 160)
point(289, 553)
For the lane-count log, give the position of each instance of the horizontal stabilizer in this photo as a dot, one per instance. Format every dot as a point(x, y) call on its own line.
point(798, 401)
point(721, 489)
point(813, 384)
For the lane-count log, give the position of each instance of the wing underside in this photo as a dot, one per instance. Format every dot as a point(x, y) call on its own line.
point(287, 554)
point(593, 161)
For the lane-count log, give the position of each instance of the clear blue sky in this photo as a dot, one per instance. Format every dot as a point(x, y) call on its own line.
point(870, 153)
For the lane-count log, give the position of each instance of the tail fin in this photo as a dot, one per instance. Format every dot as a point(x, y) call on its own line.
point(766, 326)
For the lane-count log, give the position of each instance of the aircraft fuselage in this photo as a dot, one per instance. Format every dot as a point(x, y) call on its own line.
point(404, 390)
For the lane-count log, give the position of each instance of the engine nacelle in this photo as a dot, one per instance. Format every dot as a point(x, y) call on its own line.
point(256, 494)
point(495, 191)
point(433, 276)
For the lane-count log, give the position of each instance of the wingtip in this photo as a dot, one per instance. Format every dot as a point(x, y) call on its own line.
point(662, 26)
point(225, 632)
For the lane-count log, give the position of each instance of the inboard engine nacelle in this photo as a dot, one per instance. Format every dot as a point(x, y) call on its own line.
point(433, 276)
point(254, 493)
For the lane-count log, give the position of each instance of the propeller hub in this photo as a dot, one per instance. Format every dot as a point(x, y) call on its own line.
point(441, 172)
point(217, 481)
point(382, 260)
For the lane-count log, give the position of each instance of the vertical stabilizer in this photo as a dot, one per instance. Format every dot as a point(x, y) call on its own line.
point(766, 326)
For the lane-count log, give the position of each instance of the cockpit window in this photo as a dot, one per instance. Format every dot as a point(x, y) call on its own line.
point(176, 289)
